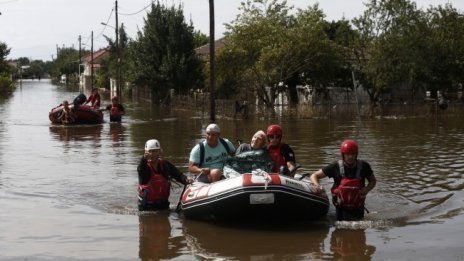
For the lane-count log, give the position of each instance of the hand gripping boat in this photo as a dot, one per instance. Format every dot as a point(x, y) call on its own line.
point(258, 195)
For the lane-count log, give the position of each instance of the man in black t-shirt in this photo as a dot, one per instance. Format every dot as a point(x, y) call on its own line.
point(116, 110)
point(352, 170)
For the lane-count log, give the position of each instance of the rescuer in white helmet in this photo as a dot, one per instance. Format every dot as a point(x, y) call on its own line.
point(155, 176)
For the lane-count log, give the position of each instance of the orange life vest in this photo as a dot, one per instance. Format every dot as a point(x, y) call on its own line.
point(347, 193)
point(115, 112)
point(279, 160)
point(158, 188)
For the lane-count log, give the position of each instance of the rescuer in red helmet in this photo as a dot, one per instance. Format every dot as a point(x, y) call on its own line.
point(116, 109)
point(281, 153)
point(349, 189)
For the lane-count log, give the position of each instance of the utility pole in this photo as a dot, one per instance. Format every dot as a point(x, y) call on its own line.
point(212, 80)
point(91, 62)
point(80, 59)
point(118, 56)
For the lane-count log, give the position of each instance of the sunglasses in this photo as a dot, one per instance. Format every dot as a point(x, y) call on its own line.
point(273, 137)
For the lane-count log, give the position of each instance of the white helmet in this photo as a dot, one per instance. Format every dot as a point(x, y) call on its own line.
point(152, 145)
point(213, 127)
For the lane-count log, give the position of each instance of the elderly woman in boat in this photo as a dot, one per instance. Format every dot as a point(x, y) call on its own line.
point(258, 141)
point(250, 157)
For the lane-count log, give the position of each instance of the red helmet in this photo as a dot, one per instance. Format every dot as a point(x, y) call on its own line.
point(349, 146)
point(274, 130)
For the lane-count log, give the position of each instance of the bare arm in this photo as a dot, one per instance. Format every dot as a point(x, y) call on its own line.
point(291, 166)
point(315, 177)
point(194, 169)
point(372, 182)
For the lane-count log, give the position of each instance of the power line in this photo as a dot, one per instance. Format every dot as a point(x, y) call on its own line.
point(105, 24)
point(143, 9)
point(7, 2)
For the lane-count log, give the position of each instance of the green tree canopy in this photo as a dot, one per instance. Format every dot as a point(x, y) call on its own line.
point(200, 38)
point(273, 50)
point(444, 48)
point(6, 85)
point(66, 62)
point(164, 55)
point(4, 52)
point(109, 67)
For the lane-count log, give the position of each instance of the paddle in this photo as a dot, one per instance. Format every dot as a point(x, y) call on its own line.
point(180, 198)
point(292, 173)
point(187, 181)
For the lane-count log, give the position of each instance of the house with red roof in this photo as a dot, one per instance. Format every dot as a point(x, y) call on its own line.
point(91, 64)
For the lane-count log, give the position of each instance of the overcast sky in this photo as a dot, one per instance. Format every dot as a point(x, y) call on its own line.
point(34, 28)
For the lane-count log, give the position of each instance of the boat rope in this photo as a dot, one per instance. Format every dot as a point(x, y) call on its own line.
point(264, 174)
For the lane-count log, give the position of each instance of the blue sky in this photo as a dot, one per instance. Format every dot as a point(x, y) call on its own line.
point(34, 28)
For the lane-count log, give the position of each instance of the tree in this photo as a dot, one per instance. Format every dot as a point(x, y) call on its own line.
point(4, 52)
point(444, 48)
point(36, 70)
point(389, 52)
point(274, 51)
point(163, 54)
point(109, 67)
point(66, 62)
point(256, 40)
point(319, 60)
point(200, 38)
point(6, 84)
point(400, 45)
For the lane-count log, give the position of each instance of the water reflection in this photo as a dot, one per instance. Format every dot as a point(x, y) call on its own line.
point(163, 236)
point(213, 241)
point(350, 244)
point(156, 240)
point(116, 133)
point(76, 132)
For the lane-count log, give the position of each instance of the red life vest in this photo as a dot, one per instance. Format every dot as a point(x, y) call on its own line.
point(94, 99)
point(115, 112)
point(279, 160)
point(158, 188)
point(347, 192)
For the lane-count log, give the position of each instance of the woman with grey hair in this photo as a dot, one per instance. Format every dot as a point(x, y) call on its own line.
point(258, 141)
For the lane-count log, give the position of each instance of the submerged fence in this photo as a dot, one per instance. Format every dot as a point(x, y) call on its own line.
point(332, 105)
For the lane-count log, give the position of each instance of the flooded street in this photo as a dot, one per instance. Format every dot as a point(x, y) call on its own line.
point(69, 192)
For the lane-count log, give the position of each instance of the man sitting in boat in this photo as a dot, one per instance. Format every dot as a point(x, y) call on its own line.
point(154, 178)
point(67, 116)
point(208, 157)
point(281, 153)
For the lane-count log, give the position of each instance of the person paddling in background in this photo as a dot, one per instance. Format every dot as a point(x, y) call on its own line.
point(258, 141)
point(116, 110)
point(94, 99)
point(154, 178)
point(208, 157)
point(348, 173)
point(281, 153)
